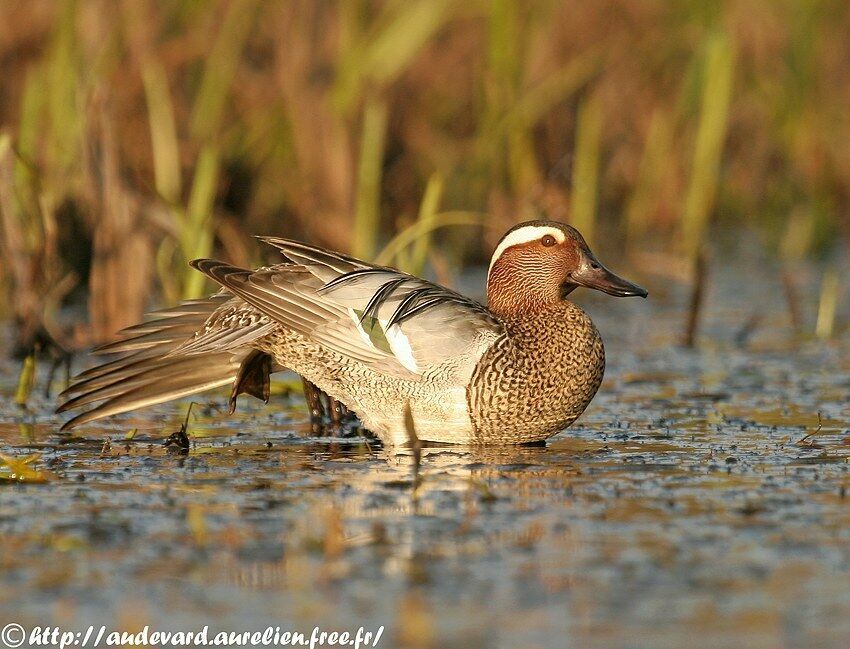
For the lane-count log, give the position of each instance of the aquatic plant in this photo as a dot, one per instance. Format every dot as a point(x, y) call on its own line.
point(136, 136)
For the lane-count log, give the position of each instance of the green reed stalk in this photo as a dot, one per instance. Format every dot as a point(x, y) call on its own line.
point(26, 381)
point(586, 166)
point(795, 244)
point(828, 304)
point(654, 165)
point(367, 213)
point(413, 232)
point(427, 211)
point(383, 52)
point(197, 232)
point(197, 223)
point(718, 74)
point(220, 69)
point(62, 87)
point(799, 234)
point(164, 142)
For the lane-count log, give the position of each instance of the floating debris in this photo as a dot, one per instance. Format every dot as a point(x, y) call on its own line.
point(178, 441)
point(20, 469)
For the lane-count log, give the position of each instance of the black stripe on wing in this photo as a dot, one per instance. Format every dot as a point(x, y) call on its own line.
point(349, 277)
point(381, 295)
point(433, 298)
point(415, 301)
point(409, 306)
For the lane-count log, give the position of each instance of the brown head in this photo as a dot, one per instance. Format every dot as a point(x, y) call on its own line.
point(538, 263)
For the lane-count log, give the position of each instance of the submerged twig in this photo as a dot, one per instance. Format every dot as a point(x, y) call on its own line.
point(792, 297)
point(749, 328)
point(415, 443)
point(814, 432)
point(697, 295)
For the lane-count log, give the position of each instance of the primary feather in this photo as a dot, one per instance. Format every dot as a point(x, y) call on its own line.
point(146, 372)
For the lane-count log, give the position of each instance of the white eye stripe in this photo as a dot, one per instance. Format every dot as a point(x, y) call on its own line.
point(523, 235)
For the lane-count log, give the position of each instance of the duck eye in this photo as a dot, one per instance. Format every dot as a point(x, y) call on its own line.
point(548, 241)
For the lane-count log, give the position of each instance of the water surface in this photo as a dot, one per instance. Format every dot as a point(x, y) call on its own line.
point(701, 501)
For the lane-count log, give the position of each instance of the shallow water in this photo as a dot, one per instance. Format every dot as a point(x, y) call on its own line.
point(696, 503)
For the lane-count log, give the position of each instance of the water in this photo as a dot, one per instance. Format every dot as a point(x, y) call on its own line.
point(695, 503)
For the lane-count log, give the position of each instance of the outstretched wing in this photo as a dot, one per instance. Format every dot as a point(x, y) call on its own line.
point(150, 370)
point(392, 321)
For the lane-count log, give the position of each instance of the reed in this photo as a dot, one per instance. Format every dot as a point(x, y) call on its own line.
point(415, 232)
point(367, 215)
point(196, 237)
point(165, 147)
point(120, 246)
point(208, 109)
point(828, 304)
point(586, 167)
point(427, 211)
point(26, 381)
point(718, 74)
point(30, 246)
point(383, 50)
point(326, 121)
point(649, 186)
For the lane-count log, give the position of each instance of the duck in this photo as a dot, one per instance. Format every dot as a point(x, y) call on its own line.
point(386, 344)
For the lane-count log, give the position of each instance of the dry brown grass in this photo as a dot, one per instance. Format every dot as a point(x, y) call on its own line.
point(141, 134)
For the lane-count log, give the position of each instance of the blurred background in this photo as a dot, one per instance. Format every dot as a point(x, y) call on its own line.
point(138, 135)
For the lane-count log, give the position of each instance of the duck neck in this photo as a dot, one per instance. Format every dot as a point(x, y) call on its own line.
point(516, 294)
point(562, 318)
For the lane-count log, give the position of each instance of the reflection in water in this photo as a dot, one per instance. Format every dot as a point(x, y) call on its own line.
point(699, 501)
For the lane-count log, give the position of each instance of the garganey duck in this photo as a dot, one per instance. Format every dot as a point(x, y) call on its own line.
point(379, 341)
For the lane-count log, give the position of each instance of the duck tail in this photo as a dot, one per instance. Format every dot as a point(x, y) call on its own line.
point(151, 368)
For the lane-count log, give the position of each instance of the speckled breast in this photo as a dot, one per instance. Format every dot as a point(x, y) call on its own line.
point(538, 378)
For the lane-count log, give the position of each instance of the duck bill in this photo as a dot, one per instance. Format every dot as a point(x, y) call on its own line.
point(592, 274)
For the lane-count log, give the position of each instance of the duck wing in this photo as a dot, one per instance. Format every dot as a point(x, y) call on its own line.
point(394, 322)
point(149, 369)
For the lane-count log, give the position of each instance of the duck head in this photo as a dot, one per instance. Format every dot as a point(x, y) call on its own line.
point(539, 263)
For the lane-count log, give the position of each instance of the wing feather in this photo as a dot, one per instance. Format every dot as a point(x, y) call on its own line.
point(147, 372)
point(392, 321)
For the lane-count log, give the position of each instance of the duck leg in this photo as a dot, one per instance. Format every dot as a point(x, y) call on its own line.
point(253, 378)
point(339, 413)
point(327, 415)
point(313, 395)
